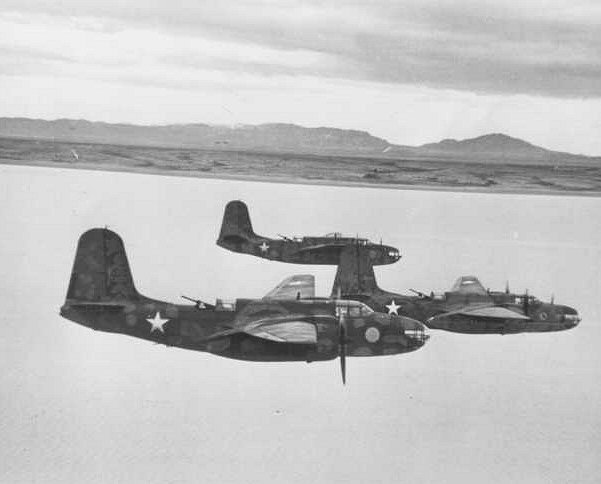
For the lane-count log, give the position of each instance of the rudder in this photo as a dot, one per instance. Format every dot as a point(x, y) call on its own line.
point(101, 271)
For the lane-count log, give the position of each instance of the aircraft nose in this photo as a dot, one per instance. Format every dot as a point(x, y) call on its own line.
point(570, 316)
point(415, 330)
point(392, 253)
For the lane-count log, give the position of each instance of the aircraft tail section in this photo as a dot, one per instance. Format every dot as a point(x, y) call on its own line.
point(101, 272)
point(236, 227)
point(355, 274)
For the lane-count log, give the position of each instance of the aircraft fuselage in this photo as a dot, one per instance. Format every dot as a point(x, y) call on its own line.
point(214, 330)
point(539, 316)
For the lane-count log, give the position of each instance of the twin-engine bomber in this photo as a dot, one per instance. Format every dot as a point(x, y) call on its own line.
point(286, 325)
point(466, 308)
point(290, 323)
point(237, 235)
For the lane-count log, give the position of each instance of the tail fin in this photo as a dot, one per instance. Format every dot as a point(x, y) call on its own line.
point(236, 227)
point(300, 286)
point(101, 272)
point(355, 274)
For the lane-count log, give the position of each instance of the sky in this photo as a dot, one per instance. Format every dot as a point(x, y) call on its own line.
point(83, 406)
point(409, 71)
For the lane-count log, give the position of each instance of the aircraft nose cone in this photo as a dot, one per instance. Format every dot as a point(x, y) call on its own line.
point(570, 316)
point(418, 332)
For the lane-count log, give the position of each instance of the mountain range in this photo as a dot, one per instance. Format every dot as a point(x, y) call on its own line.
point(285, 138)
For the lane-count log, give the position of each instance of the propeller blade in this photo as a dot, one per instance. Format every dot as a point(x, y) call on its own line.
point(342, 347)
point(506, 287)
point(552, 299)
point(343, 363)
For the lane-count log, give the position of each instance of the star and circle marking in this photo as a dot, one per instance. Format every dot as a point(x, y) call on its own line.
point(264, 247)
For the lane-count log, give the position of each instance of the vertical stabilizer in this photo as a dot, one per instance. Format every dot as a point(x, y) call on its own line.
point(355, 274)
point(236, 226)
point(101, 271)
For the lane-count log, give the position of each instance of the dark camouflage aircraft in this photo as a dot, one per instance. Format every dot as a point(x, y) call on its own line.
point(466, 308)
point(289, 324)
point(237, 235)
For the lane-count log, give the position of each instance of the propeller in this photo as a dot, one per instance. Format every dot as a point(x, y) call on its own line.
point(552, 299)
point(342, 345)
point(506, 287)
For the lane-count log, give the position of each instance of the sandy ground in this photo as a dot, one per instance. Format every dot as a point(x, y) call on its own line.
point(307, 169)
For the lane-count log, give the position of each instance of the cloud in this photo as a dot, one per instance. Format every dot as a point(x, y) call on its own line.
point(550, 48)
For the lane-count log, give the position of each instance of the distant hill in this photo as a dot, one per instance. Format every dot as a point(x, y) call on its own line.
point(286, 138)
point(496, 142)
point(496, 145)
point(278, 137)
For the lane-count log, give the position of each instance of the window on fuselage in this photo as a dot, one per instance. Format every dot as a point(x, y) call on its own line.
point(352, 308)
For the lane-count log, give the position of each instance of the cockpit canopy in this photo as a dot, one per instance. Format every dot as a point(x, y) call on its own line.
point(351, 308)
point(225, 305)
point(338, 235)
point(520, 300)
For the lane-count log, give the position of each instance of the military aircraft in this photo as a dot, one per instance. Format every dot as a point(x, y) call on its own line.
point(289, 324)
point(466, 308)
point(237, 235)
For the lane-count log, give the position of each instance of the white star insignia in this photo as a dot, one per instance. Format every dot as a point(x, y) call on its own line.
point(393, 308)
point(264, 247)
point(157, 322)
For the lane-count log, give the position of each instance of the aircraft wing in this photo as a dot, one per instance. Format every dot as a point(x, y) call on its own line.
point(329, 245)
point(484, 312)
point(301, 332)
point(300, 286)
point(279, 330)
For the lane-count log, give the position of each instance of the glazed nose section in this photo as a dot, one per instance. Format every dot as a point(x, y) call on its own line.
point(415, 330)
point(391, 254)
point(570, 316)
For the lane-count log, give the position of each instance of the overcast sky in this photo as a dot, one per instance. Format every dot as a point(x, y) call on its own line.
point(409, 71)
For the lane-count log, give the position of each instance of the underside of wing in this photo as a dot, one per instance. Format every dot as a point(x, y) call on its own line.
point(300, 286)
point(485, 312)
point(279, 331)
point(297, 332)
